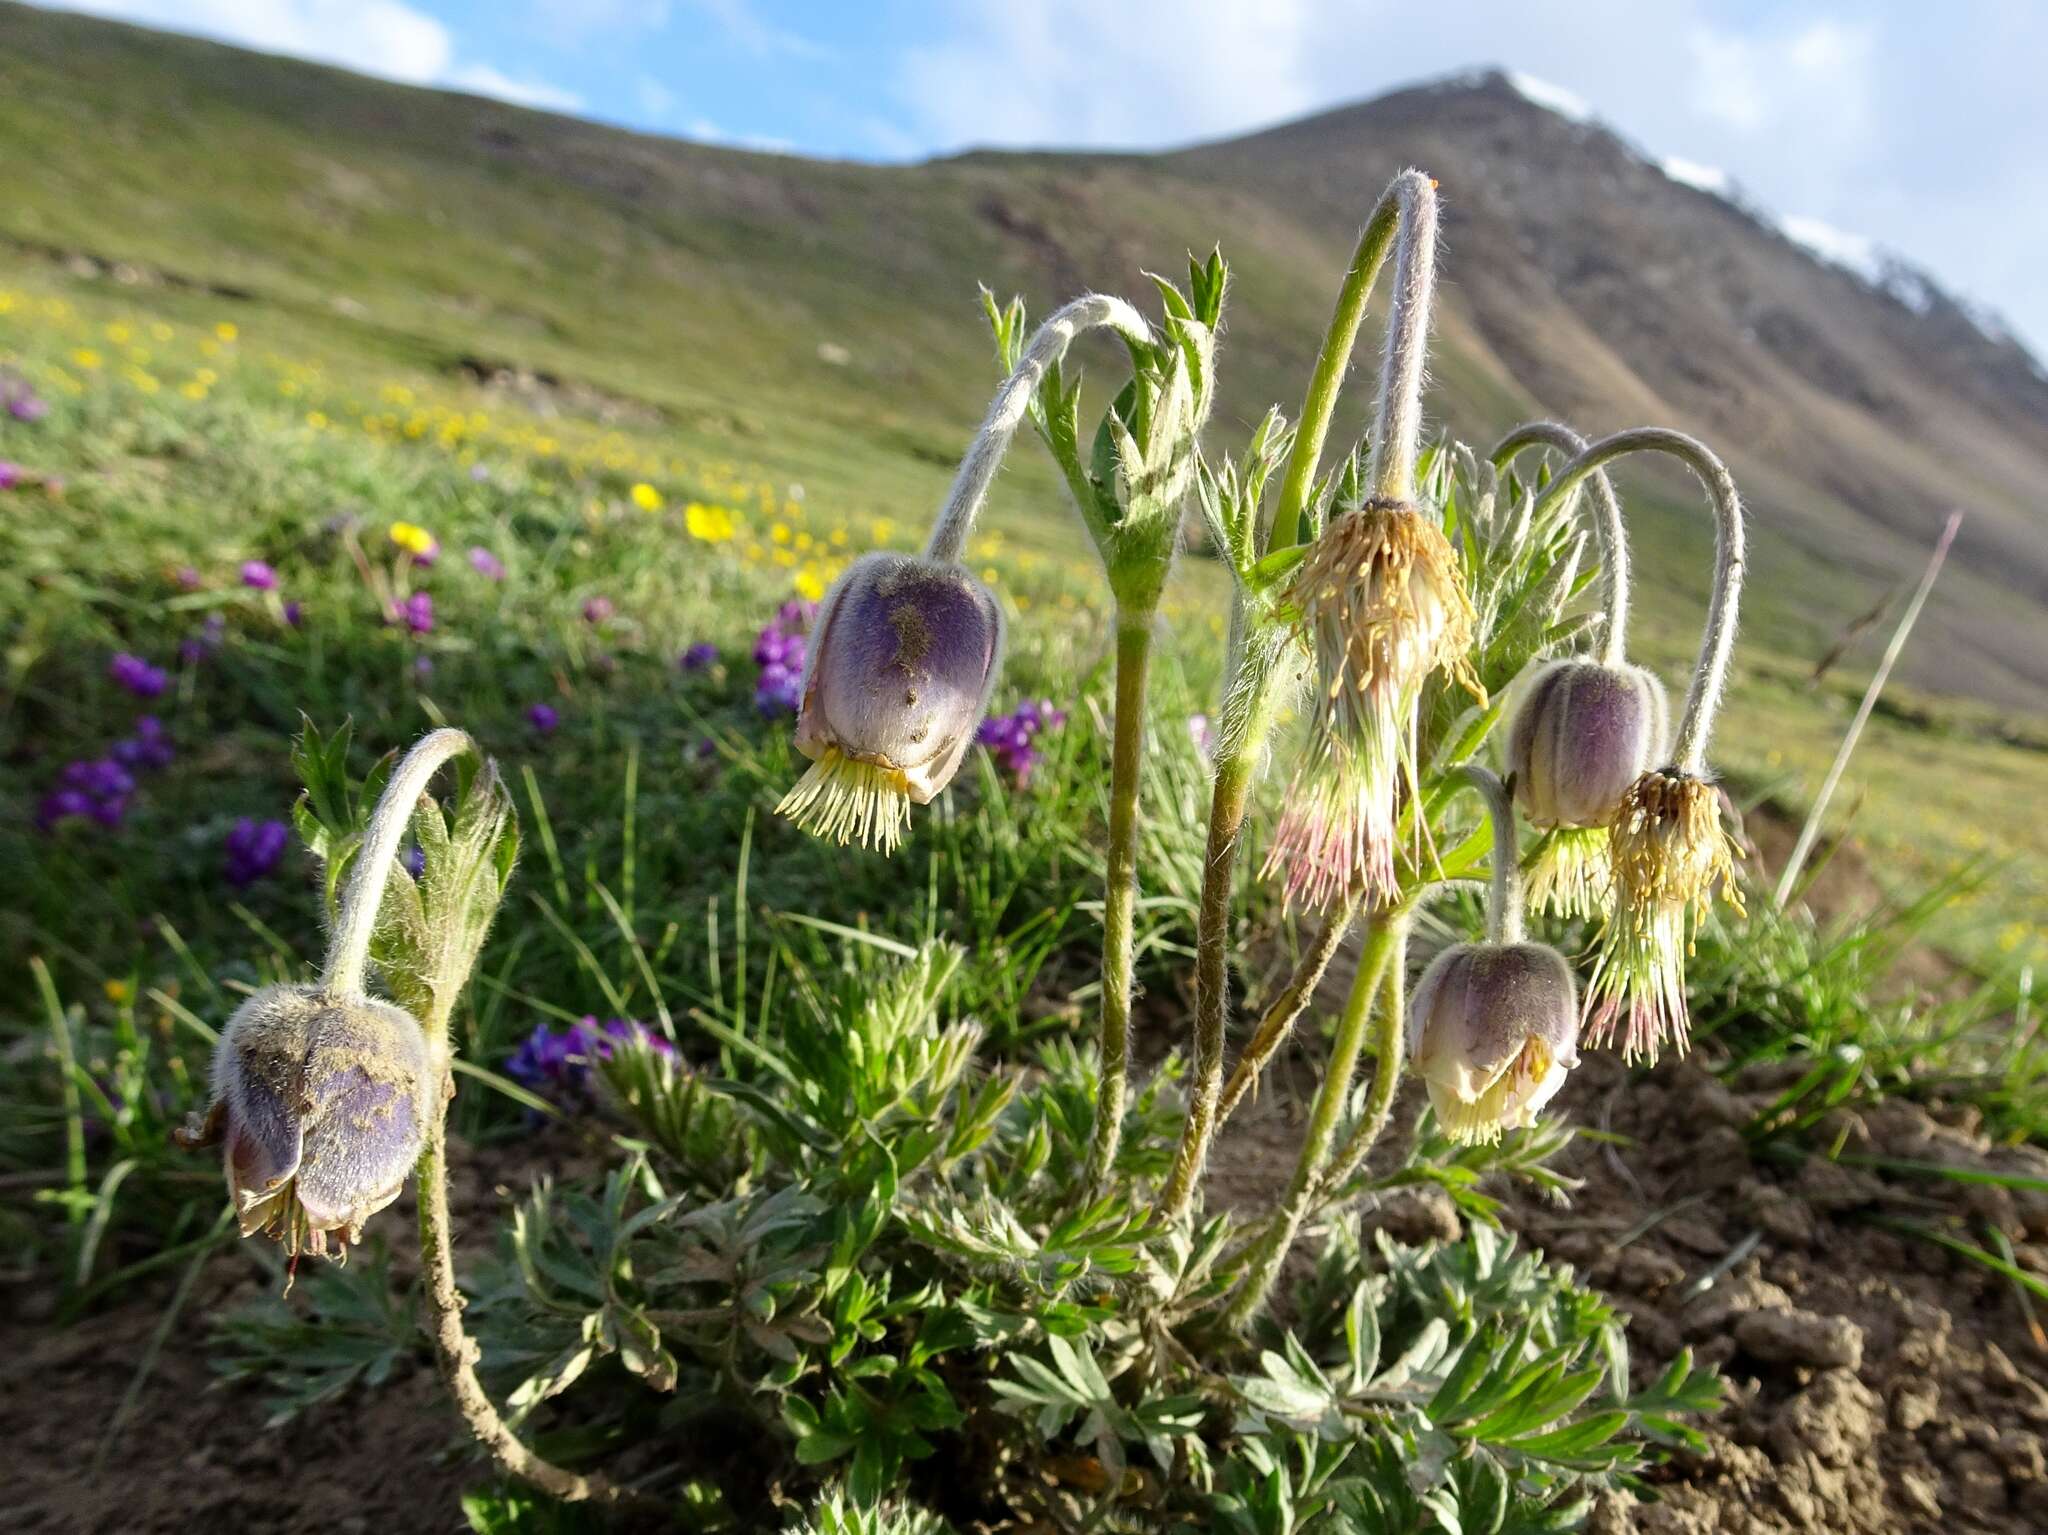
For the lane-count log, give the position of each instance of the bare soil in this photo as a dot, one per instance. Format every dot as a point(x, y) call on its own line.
point(1876, 1383)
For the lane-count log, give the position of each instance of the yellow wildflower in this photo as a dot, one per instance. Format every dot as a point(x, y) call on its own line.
point(413, 539)
point(646, 497)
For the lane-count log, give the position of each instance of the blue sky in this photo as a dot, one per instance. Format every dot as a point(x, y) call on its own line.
point(1920, 127)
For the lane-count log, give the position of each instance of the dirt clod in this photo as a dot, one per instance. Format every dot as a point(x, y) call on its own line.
point(1791, 1336)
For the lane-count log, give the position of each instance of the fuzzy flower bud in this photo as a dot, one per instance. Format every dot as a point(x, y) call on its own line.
point(1583, 734)
point(901, 662)
point(322, 1103)
point(1383, 604)
point(1492, 1031)
point(1668, 852)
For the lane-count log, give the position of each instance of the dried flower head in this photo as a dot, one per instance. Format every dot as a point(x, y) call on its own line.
point(1383, 604)
point(321, 1103)
point(1668, 852)
point(1493, 1032)
point(900, 667)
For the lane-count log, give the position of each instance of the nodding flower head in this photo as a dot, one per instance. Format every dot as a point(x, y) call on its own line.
point(321, 1103)
point(1668, 852)
point(901, 662)
point(1493, 1031)
point(1383, 604)
point(1582, 735)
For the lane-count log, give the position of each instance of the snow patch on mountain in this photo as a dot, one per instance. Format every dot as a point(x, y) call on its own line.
point(1569, 105)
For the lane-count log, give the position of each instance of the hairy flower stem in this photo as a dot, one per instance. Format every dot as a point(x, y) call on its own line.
point(1614, 558)
point(1120, 894)
point(1285, 1009)
point(1504, 909)
point(1397, 434)
point(1408, 198)
point(1717, 640)
point(458, 1352)
point(348, 953)
point(1012, 402)
point(347, 971)
point(1227, 806)
point(1388, 1042)
point(1382, 937)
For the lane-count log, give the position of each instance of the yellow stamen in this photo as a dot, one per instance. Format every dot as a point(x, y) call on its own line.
point(844, 800)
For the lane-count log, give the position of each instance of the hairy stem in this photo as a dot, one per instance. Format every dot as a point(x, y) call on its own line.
point(348, 954)
point(1396, 207)
point(1270, 1251)
point(1285, 1009)
point(458, 1351)
point(1397, 433)
point(1120, 895)
point(1388, 1043)
point(1614, 559)
point(1504, 908)
point(1717, 640)
point(1012, 401)
point(1227, 805)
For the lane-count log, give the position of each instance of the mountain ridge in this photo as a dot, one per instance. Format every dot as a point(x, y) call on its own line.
point(1581, 279)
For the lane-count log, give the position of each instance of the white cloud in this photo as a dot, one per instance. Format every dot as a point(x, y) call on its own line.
point(656, 100)
point(483, 80)
point(386, 38)
point(762, 38)
point(375, 37)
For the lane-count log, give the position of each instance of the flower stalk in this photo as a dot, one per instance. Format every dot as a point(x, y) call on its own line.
point(1615, 571)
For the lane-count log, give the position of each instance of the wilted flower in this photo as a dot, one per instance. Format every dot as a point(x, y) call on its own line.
point(901, 669)
point(253, 849)
point(321, 1103)
point(137, 675)
point(486, 564)
point(1669, 852)
point(543, 718)
point(259, 576)
point(698, 656)
point(1383, 604)
point(1492, 1031)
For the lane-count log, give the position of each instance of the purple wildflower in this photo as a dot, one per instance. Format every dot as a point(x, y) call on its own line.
point(148, 750)
point(779, 652)
point(480, 473)
point(1202, 733)
point(1010, 737)
point(137, 675)
point(422, 667)
point(416, 613)
point(543, 718)
point(259, 576)
point(93, 788)
point(597, 610)
point(61, 805)
point(253, 849)
point(415, 861)
point(199, 647)
point(26, 407)
point(294, 613)
point(188, 578)
point(698, 656)
point(11, 474)
point(561, 1059)
point(486, 564)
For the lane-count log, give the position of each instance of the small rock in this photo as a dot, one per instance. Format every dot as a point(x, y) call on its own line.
point(1716, 1311)
point(1790, 1336)
point(1717, 1159)
point(1834, 1420)
point(1785, 1218)
point(1829, 1186)
point(1922, 1493)
point(2019, 1454)
point(1978, 1483)
point(1915, 1401)
point(1645, 1272)
point(1423, 1213)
